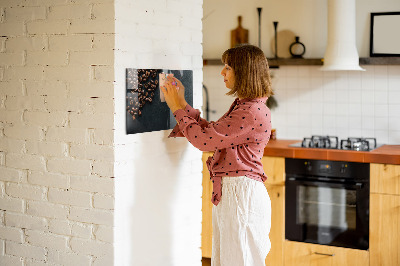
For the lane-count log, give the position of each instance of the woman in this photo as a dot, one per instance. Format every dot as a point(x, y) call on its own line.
point(242, 208)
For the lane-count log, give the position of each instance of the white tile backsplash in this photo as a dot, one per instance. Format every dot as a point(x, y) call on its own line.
point(343, 103)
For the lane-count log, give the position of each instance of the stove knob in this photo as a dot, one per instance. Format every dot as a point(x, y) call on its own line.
point(343, 168)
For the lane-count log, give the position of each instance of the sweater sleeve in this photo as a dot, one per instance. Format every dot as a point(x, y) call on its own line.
point(193, 113)
point(231, 130)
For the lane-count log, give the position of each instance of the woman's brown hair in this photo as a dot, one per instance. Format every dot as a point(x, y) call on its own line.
point(250, 66)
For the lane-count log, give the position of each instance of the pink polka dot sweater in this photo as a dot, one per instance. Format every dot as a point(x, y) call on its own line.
point(238, 139)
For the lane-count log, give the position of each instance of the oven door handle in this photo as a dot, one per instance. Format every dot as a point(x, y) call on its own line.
point(357, 185)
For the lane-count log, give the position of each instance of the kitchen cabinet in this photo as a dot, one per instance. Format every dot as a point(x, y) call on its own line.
point(305, 254)
point(206, 225)
point(385, 214)
point(274, 168)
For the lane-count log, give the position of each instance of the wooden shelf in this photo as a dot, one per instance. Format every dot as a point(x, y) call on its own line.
point(274, 63)
point(380, 61)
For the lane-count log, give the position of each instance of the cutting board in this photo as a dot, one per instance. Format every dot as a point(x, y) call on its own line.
point(239, 35)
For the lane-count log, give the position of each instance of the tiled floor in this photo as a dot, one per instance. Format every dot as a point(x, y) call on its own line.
point(206, 261)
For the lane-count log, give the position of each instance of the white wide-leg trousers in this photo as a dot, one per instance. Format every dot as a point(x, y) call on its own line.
point(241, 223)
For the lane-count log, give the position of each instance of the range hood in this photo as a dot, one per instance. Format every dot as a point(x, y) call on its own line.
point(341, 51)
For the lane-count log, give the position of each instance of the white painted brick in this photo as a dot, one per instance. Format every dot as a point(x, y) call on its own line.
point(25, 191)
point(104, 169)
point(3, 44)
point(96, 57)
point(11, 117)
point(103, 202)
point(91, 26)
point(25, 103)
point(60, 227)
point(95, 216)
point(93, 184)
point(46, 58)
point(56, 103)
point(24, 132)
point(11, 59)
point(47, 240)
point(31, 43)
point(46, 27)
point(69, 12)
point(2, 71)
point(56, 149)
point(11, 233)
point(91, 247)
point(32, 262)
point(69, 197)
point(46, 118)
point(105, 233)
point(25, 221)
point(70, 166)
point(11, 260)
point(46, 2)
point(103, 41)
point(68, 258)
point(97, 105)
point(12, 29)
point(81, 73)
point(11, 88)
point(24, 13)
point(46, 209)
point(48, 179)
point(91, 89)
point(74, 135)
point(101, 136)
point(46, 88)
point(23, 73)
point(12, 145)
point(197, 62)
point(104, 73)
point(25, 161)
point(103, 11)
point(92, 151)
point(12, 204)
point(25, 250)
point(99, 120)
point(2, 158)
point(185, 7)
point(105, 260)
point(71, 42)
point(2, 191)
point(82, 230)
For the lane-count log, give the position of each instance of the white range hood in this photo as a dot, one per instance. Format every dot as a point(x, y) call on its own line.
point(341, 51)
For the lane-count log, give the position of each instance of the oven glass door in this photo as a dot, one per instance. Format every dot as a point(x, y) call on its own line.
point(326, 213)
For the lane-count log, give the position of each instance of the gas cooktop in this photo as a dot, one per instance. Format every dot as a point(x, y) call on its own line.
point(332, 142)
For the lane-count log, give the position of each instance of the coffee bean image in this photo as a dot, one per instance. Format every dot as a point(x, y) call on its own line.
point(145, 109)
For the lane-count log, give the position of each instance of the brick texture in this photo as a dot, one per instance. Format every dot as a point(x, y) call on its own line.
point(47, 74)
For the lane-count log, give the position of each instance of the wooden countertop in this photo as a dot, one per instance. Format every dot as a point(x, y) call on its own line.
point(389, 154)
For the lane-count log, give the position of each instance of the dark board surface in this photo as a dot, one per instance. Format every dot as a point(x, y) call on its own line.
point(145, 112)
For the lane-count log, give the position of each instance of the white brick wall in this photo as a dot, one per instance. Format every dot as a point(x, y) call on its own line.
point(56, 132)
point(156, 177)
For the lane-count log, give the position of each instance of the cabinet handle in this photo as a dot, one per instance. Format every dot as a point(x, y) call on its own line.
point(324, 254)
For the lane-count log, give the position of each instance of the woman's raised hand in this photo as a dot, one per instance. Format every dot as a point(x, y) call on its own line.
point(174, 93)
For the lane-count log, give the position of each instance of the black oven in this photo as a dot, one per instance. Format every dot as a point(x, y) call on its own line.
point(327, 202)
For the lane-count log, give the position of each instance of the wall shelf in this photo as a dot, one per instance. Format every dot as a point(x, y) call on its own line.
point(274, 63)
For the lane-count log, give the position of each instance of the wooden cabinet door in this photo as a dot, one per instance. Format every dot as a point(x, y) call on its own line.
point(384, 236)
point(277, 233)
point(385, 178)
point(206, 226)
point(304, 254)
point(274, 168)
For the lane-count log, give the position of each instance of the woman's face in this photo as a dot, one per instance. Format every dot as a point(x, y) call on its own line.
point(229, 76)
